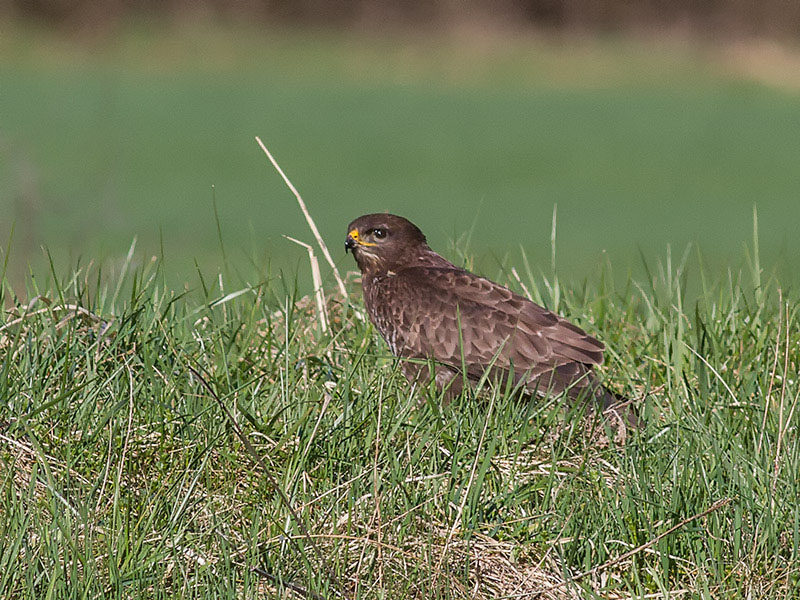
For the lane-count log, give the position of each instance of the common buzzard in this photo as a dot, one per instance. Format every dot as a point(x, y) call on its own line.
point(435, 313)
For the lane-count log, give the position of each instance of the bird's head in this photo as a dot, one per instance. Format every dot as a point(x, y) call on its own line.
point(381, 243)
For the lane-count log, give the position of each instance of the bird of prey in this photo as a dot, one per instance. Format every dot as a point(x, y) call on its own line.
point(433, 313)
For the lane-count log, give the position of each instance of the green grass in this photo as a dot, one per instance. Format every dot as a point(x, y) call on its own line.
point(639, 144)
point(122, 476)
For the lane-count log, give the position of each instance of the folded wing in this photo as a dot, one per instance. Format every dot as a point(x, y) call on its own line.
point(457, 318)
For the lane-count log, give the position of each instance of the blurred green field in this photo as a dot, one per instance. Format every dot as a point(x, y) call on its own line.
point(639, 144)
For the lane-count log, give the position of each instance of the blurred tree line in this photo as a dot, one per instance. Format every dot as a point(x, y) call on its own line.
point(709, 17)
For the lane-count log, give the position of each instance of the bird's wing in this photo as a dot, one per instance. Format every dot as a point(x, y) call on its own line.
point(447, 313)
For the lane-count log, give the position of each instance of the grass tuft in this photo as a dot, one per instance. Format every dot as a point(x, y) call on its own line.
point(120, 475)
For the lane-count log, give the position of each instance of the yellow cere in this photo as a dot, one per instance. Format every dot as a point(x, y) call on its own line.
point(354, 234)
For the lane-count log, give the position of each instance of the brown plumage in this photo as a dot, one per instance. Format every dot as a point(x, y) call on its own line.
point(429, 310)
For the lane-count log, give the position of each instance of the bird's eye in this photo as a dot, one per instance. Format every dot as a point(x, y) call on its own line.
point(379, 233)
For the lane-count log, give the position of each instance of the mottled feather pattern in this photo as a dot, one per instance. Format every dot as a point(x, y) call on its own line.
point(428, 309)
point(446, 308)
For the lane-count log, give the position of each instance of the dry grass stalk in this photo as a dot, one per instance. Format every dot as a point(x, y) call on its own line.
point(309, 220)
point(622, 557)
point(781, 429)
point(77, 311)
point(773, 370)
point(319, 294)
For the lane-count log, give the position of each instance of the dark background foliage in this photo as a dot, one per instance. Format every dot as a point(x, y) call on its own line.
point(711, 18)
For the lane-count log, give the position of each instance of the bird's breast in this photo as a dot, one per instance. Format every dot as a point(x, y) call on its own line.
point(380, 311)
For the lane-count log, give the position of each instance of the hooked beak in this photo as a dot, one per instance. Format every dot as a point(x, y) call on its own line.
point(352, 241)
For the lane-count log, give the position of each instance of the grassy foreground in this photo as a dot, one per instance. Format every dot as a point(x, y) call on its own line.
point(122, 476)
